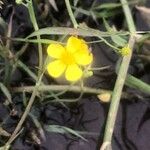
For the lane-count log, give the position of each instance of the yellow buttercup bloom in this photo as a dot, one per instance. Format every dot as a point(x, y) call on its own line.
point(69, 59)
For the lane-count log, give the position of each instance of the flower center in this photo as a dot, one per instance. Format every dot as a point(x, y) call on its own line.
point(67, 58)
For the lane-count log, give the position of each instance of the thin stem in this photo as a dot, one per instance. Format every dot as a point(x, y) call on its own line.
point(129, 19)
point(26, 69)
point(8, 68)
point(66, 88)
point(35, 25)
point(26, 112)
point(39, 78)
point(75, 24)
point(69, 88)
point(116, 95)
point(133, 82)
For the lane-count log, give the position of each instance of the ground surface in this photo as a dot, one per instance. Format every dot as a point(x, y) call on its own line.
point(89, 114)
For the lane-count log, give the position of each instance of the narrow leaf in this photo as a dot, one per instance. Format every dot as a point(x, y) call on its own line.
point(118, 40)
point(6, 92)
point(63, 130)
point(71, 31)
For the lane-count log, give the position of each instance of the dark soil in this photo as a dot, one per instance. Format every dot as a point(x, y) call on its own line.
point(132, 130)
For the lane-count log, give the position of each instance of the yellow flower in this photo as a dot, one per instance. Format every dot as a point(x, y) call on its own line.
point(125, 50)
point(69, 59)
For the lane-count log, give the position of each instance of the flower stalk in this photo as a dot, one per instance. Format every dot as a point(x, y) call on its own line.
point(116, 95)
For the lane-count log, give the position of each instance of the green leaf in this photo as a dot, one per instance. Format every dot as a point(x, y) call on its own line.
point(118, 40)
point(82, 11)
point(107, 6)
point(114, 5)
point(63, 130)
point(75, 2)
point(53, 4)
point(68, 31)
point(3, 24)
point(43, 41)
point(6, 92)
point(136, 83)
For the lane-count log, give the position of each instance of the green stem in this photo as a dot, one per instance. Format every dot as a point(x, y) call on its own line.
point(35, 25)
point(129, 19)
point(39, 78)
point(61, 88)
point(26, 69)
point(26, 112)
point(75, 24)
point(116, 95)
point(133, 82)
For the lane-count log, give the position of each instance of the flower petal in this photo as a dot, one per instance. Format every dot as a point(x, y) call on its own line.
point(73, 73)
point(83, 57)
point(56, 68)
point(74, 44)
point(55, 50)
